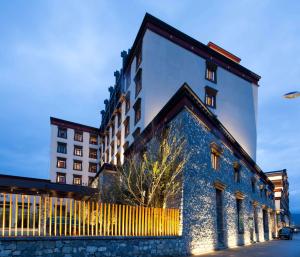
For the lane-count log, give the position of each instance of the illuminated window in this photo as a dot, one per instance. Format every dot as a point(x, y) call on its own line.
point(61, 163)
point(92, 167)
point(77, 165)
point(62, 132)
point(61, 178)
point(77, 150)
point(240, 217)
point(78, 136)
point(118, 160)
point(118, 139)
point(237, 172)
point(61, 147)
point(138, 82)
point(210, 97)
point(127, 102)
point(211, 72)
point(127, 126)
point(93, 153)
point(137, 111)
point(215, 155)
point(138, 57)
point(77, 179)
point(93, 139)
point(214, 161)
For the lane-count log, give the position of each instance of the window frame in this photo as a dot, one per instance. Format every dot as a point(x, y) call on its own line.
point(77, 177)
point(80, 133)
point(95, 151)
point(210, 93)
point(92, 164)
point(77, 162)
point(77, 147)
point(58, 174)
point(59, 129)
point(60, 144)
point(58, 159)
point(93, 136)
point(138, 82)
point(211, 68)
point(137, 110)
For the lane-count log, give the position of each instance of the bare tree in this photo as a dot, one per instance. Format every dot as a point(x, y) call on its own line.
point(153, 177)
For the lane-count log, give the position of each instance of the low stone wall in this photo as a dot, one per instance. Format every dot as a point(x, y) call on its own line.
point(92, 246)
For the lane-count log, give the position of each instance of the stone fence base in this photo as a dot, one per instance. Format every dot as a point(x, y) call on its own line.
point(92, 246)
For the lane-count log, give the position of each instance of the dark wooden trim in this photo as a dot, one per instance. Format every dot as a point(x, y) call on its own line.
point(172, 34)
point(185, 98)
point(73, 125)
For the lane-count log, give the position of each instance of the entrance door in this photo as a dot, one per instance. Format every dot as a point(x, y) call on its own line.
point(220, 218)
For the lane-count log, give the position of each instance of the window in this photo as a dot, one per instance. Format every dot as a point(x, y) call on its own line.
point(77, 150)
point(136, 133)
point(237, 172)
point(77, 165)
point(214, 161)
point(210, 97)
point(137, 111)
point(93, 139)
point(92, 167)
point(107, 155)
point(118, 160)
point(91, 181)
point(138, 82)
point(61, 178)
point(113, 129)
point(61, 163)
point(62, 132)
point(126, 145)
point(215, 155)
point(128, 77)
point(119, 116)
point(118, 139)
point(77, 179)
point(240, 218)
point(138, 57)
point(93, 153)
point(127, 102)
point(78, 136)
point(112, 148)
point(127, 126)
point(61, 147)
point(211, 71)
point(261, 191)
point(103, 146)
point(107, 139)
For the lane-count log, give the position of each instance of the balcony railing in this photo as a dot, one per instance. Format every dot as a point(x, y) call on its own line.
point(28, 215)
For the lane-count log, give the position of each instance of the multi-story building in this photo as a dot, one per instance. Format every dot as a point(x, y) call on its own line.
point(74, 152)
point(280, 181)
point(159, 62)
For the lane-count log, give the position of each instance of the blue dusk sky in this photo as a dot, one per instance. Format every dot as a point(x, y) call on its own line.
point(57, 58)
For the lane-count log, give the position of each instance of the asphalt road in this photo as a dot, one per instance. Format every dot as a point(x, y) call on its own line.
point(274, 248)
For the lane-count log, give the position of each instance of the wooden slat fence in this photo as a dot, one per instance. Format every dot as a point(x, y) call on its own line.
point(27, 215)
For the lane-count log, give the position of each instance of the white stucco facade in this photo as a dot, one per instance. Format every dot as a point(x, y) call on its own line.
point(166, 66)
point(70, 157)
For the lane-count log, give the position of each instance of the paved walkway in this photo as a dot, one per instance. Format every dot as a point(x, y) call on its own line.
point(274, 248)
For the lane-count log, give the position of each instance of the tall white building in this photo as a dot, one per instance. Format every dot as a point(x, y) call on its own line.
point(160, 61)
point(74, 152)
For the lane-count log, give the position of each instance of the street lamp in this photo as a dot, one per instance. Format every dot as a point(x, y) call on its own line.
point(292, 95)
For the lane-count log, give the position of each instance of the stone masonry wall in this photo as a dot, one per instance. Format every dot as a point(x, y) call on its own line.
point(92, 247)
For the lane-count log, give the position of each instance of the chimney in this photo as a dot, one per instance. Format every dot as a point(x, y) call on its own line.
point(222, 51)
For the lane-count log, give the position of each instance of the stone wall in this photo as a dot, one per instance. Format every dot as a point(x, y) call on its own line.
point(92, 246)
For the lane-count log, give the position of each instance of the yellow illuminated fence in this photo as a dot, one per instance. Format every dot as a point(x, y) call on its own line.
point(28, 215)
